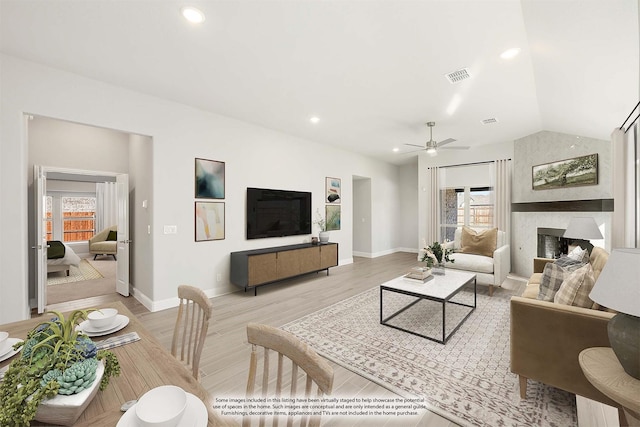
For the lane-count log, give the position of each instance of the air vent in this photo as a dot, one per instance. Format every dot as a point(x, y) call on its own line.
point(489, 121)
point(458, 76)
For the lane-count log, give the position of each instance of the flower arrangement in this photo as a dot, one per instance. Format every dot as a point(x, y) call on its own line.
point(320, 221)
point(436, 254)
point(55, 359)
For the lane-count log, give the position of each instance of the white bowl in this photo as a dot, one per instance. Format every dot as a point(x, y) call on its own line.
point(103, 318)
point(161, 407)
point(4, 345)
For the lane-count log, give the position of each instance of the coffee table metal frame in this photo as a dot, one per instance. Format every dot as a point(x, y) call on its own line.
point(421, 291)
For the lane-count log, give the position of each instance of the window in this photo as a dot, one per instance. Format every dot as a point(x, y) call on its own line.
point(468, 206)
point(78, 218)
point(48, 217)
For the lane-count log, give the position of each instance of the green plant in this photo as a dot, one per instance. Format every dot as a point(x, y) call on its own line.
point(55, 359)
point(435, 254)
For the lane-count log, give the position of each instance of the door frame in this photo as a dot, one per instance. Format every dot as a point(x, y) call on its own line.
point(41, 273)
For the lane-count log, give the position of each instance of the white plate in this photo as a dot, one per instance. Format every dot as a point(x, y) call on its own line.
point(9, 354)
point(195, 415)
point(121, 322)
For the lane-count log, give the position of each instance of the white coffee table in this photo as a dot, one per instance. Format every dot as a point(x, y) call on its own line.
point(441, 288)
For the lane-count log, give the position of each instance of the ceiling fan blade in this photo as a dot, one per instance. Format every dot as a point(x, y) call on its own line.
point(461, 147)
point(414, 145)
point(446, 141)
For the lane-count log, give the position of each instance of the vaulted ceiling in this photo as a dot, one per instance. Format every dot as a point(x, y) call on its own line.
point(373, 72)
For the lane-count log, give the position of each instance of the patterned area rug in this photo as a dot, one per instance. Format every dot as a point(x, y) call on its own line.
point(84, 271)
point(466, 381)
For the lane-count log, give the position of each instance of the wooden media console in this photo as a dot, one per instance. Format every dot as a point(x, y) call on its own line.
point(250, 269)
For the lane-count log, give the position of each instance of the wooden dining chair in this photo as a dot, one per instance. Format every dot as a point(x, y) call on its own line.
point(194, 312)
point(300, 355)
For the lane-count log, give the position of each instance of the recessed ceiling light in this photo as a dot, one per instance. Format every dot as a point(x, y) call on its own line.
point(396, 149)
point(192, 14)
point(314, 119)
point(510, 53)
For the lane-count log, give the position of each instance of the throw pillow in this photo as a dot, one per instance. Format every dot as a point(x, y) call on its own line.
point(579, 254)
point(483, 243)
point(576, 288)
point(569, 263)
point(113, 235)
point(552, 277)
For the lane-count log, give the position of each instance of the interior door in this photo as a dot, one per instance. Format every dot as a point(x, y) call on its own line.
point(40, 247)
point(122, 267)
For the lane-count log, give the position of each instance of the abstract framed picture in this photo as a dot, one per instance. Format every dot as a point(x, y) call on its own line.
point(332, 190)
point(209, 179)
point(332, 216)
point(209, 221)
point(574, 172)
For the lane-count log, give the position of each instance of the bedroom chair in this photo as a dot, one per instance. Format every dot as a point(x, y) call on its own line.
point(104, 243)
point(285, 344)
point(192, 324)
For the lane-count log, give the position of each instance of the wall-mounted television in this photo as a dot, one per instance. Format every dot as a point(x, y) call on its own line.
point(277, 213)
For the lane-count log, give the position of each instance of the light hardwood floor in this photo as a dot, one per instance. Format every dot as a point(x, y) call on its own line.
point(225, 358)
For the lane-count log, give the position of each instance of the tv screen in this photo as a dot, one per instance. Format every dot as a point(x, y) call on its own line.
point(277, 213)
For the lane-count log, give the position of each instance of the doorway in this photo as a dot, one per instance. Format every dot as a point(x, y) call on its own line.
point(69, 150)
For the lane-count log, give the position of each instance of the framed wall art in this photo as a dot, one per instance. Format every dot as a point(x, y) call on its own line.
point(574, 172)
point(332, 216)
point(209, 179)
point(332, 190)
point(209, 221)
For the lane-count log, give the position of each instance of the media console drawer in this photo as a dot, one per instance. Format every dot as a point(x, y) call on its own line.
point(250, 269)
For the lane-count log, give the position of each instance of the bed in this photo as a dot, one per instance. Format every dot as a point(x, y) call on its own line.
point(58, 262)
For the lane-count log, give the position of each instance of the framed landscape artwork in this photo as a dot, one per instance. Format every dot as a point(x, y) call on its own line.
point(332, 217)
point(566, 173)
point(209, 220)
point(209, 179)
point(333, 190)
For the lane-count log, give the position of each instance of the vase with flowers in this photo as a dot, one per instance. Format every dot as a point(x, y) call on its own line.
point(323, 235)
point(435, 256)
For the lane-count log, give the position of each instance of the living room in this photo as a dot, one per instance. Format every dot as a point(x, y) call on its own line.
point(259, 155)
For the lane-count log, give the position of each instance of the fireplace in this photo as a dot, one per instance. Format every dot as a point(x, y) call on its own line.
point(551, 244)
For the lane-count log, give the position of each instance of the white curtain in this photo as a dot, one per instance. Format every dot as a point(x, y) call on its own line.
point(106, 205)
point(502, 191)
point(625, 193)
point(433, 205)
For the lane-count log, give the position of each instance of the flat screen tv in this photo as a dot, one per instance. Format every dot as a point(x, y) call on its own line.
point(277, 213)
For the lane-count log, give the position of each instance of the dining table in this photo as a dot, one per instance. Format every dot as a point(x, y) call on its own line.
point(144, 365)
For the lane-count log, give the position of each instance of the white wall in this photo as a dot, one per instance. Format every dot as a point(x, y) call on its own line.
point(362, 217)
point(141, 218)
point(408, 229)
point(254, 156)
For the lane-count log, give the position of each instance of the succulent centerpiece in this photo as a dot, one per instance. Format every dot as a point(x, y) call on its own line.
point(55, 359)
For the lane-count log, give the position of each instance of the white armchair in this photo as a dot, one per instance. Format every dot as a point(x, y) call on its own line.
point(490, 271)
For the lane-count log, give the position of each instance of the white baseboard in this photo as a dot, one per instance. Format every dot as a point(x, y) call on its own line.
point(169, 302)
point(383, 253)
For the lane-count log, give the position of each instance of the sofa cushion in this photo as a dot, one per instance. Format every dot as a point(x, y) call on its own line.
point(535, 278)
point(551, 280)
point(576, 288)
point(471, 262)
point(479, 243)
point(531, 290)
point(113, 235)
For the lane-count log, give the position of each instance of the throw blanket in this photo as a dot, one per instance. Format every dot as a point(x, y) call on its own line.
point(55, 250)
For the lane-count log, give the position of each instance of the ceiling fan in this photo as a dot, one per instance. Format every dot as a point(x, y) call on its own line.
point(432, 146)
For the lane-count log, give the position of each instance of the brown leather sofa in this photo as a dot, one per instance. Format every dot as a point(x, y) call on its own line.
point(546, 338)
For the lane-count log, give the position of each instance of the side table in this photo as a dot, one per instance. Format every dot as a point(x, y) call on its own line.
point(602, 368)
